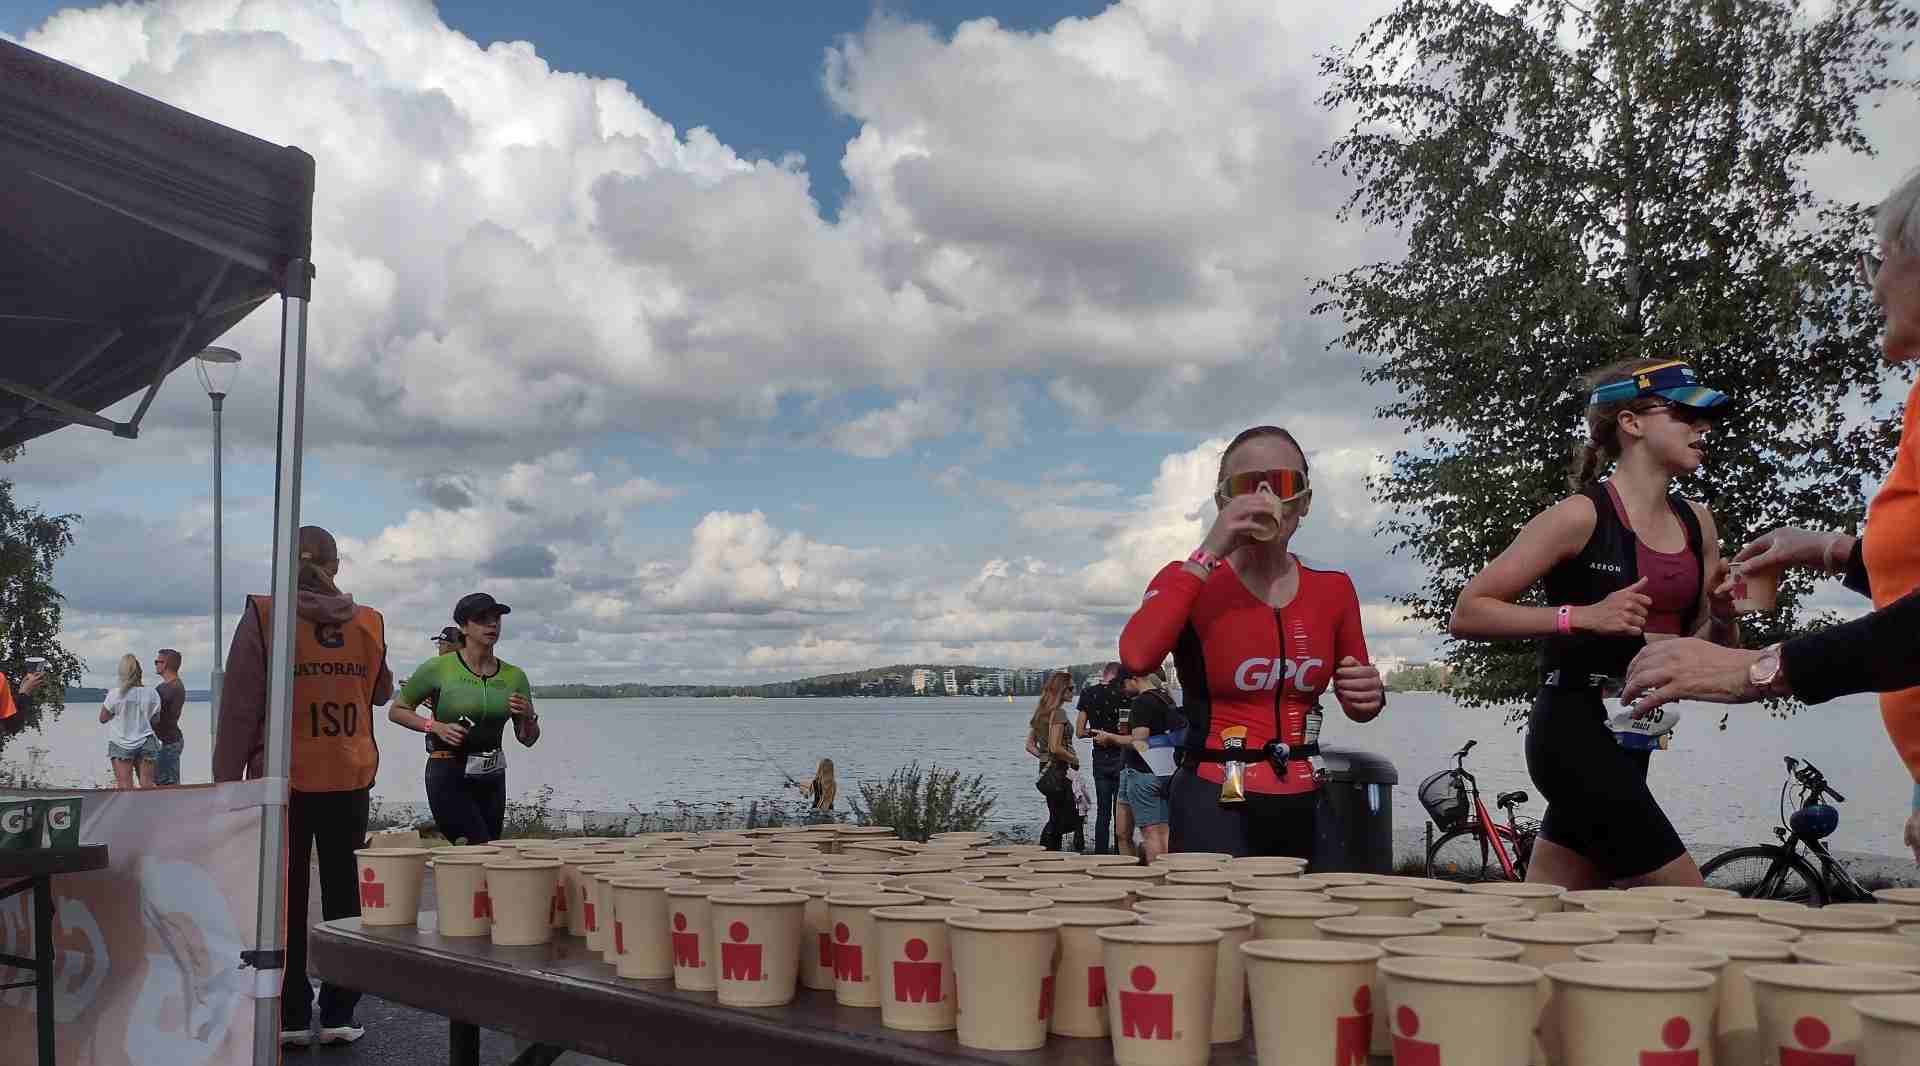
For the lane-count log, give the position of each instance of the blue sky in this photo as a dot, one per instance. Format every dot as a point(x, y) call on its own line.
point(589, 334)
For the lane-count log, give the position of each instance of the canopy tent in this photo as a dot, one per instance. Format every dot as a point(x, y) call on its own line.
point(133, 233)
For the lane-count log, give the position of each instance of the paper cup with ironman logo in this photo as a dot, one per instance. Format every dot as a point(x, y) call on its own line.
point(1376, 901)
point(816, 935)
point(1293, 918)
point(59, 818)
point(1806, 1011)
point(461, 904)
point(1312, 1000)
point(390, 880)
point(642, 946)
point(1754, 591)
point(1810, 921)
point(1088, 895)
point(600, 933)
point(520, 895)
point(1889, 1030)
point(1470, 921)
point(916, 966)
point(19, 825)
point(1545, 944)
point(1629, 1014)
point(570, 914)
point(856, 943)
point(1727, 927)
point(1880, 953)
point(1444, 1010)
point(1540, 899)
point(1230, 972)
point(1627, 928)
point(1736, 1028)
point(1361, 929)
point(1003, 979)
point(690, 936)
point(758, 941)
point(586, 901)
point(1160, 981)
point(1703, 957)
point(1079, 971)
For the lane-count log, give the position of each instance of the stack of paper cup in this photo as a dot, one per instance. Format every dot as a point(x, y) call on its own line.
point(1619, 1013)
point(1230, 972)
point(1465, 1010)
point(1364, 930)
point(1003, 979)
point(1293, 919)
point(390, 880)
point(462, 907)
point(856, 943)
point(757, 937)
point(916, 966)
point(643, 950)
point(1736, 1028)
point(1160, 993)
point(1541, 899)
point(520, 895)
point(1889, 1030)
point(690, 936)
point(1312, 1000)
point(1806, 1011)
point(1079, 971)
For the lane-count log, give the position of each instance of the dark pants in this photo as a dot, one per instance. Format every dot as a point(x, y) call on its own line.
point(333, 824)
point(1105, 786)
point(466, 809)
point(1291, 825)
point(1062, 818)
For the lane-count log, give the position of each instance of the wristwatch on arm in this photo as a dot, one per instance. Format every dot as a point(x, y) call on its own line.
point(1767, 675)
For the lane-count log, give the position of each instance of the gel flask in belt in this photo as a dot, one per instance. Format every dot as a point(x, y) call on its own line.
point(1233, 787)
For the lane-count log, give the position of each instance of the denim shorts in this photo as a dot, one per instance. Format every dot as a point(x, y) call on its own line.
point(1146, 795)
point(148, 749)
point(166, 768)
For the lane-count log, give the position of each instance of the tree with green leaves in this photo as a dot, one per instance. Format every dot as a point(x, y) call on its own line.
point(1583, 182)
point(31, 541)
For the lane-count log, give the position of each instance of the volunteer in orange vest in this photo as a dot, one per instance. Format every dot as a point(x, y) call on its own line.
point(1871, 654)
point(339, 676)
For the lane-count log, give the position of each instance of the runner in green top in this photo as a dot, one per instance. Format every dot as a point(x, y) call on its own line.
point(473, 696)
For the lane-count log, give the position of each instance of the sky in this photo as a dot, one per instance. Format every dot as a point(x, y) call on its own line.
point(740, 342)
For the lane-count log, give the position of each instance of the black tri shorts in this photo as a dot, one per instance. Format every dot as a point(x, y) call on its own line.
point(1598, 803)
point(1263, 825)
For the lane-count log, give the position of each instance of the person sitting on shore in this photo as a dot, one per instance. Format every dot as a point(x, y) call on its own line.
point(819, 791)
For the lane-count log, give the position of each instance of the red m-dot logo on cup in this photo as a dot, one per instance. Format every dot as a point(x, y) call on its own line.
point(586, 909)
point(619, 937)
point(1676, 1034)
point(1046, 997)
point(739, 960)
point(1144, 1013)
point(846, 957)
point(1096, 986)
point(686, 944)
point(1353, 1033)
point(372, 893)
point(482, 904)
point(1813, 1035)
point(1406, 1050)
point(916, 980)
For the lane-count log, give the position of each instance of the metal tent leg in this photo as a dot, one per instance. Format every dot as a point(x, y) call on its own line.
point(268, 939)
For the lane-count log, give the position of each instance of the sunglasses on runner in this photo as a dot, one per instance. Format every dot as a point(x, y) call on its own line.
point(1869, 266)
point(1283, 482)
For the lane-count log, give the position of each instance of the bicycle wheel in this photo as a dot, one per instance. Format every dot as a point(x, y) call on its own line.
point(1464, 855)
point(1766, 871)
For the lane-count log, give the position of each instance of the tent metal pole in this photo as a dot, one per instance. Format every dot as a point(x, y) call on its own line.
point(279, 741)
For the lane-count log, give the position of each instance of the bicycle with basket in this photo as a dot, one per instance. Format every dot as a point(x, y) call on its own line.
point(1472, 846)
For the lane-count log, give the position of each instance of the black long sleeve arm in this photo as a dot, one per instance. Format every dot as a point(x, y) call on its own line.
point(1879, 652)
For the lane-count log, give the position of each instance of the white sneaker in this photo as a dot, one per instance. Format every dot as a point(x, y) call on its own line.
point(341, 1034)
point(296, 1038)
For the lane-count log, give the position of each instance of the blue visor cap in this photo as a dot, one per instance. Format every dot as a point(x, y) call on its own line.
point(1674, 382)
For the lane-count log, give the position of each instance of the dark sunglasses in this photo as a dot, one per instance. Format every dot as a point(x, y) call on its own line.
point(1869, 267)
point(1283, 482)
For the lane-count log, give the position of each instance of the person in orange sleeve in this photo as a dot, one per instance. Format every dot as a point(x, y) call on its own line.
point(1875, 653)
point(339, 676)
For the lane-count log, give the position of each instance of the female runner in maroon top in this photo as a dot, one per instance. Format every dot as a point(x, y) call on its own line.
point(1258, 637)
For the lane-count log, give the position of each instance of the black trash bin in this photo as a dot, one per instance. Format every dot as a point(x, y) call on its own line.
point(1356, 834)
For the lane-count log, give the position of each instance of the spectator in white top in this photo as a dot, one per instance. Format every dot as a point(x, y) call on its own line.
point(132, 745)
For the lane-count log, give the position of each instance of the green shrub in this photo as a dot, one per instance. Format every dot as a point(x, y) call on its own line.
point(919, 804)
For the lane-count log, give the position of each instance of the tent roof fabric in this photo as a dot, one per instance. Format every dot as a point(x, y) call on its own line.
point(132, 234)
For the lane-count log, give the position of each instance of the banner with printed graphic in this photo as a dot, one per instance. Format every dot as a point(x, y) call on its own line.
point(147, 951)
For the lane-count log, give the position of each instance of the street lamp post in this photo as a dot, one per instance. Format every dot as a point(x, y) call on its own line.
point(216, 368)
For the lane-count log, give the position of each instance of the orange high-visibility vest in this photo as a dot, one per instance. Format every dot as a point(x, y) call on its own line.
point(335, 666)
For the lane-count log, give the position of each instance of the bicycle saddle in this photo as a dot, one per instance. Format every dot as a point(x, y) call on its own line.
point(1511, 799)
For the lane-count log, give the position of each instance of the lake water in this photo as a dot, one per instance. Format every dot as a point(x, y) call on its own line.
point(1720, 788)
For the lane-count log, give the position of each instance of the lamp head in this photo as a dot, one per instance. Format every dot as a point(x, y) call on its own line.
point(216, 368)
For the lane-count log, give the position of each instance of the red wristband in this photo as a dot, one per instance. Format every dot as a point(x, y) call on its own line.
point(1563, 620)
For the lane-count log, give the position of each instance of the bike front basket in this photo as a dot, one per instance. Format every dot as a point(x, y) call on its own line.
point(1444, 795)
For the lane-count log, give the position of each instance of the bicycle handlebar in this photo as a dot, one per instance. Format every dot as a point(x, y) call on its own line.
point(1812, 780)
point(1461, 755)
